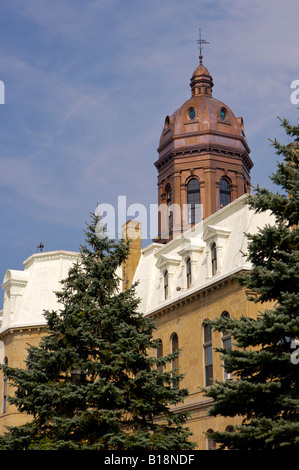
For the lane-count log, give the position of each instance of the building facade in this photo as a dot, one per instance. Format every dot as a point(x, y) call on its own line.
point(191, 279)
point(186, 275)
point(26, 295)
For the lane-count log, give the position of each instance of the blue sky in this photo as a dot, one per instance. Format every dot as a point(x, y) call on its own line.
point(88, 84)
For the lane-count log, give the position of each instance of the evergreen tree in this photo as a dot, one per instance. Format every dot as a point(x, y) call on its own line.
point(264, 363)
point(92, 383)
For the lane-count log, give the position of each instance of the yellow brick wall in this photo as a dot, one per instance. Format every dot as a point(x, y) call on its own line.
point(186, 319)
point(15, 350)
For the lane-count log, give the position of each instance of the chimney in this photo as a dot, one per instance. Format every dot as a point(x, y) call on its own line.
point(131, 230)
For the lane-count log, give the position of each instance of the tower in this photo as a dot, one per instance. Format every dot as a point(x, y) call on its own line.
point(204, 161)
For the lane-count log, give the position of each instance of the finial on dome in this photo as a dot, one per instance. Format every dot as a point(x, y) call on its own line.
point(201, 81)
point(201, 42)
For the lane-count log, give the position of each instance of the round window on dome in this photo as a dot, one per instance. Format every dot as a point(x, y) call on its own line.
point(192, 113)
point(222, 113)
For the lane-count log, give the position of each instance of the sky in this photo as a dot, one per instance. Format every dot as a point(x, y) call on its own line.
point(88, 84)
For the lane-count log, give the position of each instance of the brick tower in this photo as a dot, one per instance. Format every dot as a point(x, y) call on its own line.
point(203, 162)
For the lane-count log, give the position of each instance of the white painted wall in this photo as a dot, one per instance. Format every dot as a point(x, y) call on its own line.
point(226, 228)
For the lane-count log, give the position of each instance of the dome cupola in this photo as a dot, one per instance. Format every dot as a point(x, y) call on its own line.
point(201, 82)
point(203, 158)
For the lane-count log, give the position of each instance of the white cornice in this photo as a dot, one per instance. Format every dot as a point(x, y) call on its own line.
point(50, 255)
point(198, 289)
point(10, 329)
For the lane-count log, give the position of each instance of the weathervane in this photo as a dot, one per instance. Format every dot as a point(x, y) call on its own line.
point(201, 42)
point(40, 246)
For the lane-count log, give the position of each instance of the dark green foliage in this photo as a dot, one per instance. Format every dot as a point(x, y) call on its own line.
point(91, 383)
point(265, 389)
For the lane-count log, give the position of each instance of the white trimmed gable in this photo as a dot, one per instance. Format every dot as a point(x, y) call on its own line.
point(218, 236)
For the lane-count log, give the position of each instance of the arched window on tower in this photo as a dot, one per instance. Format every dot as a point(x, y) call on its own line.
point(193, 201)
point(188, 273)
point(208, 357)
point(214, 259)
point(175, 361)
point(224, 189)
point(165, 285)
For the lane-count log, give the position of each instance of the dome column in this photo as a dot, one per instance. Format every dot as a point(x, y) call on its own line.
point(240, 185)
point(210, 192)
point(177, 205)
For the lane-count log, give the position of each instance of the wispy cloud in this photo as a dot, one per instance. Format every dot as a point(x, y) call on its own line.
point(89, 83)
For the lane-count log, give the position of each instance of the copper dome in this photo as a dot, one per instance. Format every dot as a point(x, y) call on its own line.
point(202, 120)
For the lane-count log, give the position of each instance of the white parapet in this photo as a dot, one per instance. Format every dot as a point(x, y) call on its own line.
point(29, 292)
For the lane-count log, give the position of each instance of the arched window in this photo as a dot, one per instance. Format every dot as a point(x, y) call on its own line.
point(211, 445)
point(193, 201)
point(4, 396)
point(208, 357)
point(224, 189)
point(229, 428)
point(167, 123)
point(175, 361)
point(159, 354)
point(214, 259)
point(165, 285)
point(188, 273)
point(226, 344)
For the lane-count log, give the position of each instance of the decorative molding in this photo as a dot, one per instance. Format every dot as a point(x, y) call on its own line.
point(11, 330)
point(190, 246)
point(164, 261)
point(214, 232)
point(211, 286)
point(50, 255)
